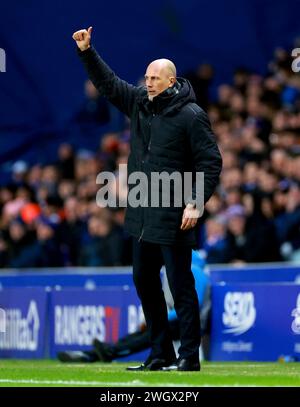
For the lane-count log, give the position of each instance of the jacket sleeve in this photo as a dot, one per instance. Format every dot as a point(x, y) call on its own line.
point(206, 155)
point(116, 90)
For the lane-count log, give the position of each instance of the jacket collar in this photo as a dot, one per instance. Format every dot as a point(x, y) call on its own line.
point(170, 99)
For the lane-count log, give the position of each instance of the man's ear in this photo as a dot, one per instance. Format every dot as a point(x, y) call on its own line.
point(172, 81)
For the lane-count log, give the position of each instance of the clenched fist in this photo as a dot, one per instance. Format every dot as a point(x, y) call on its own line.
point(83, 38)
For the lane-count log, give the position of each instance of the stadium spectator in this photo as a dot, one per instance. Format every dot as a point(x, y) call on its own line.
point(21, 252)
point(95, 108)
point(45, 250)
point(66, 161)
point(216, 244)
point(200, 80)
point(103, 243)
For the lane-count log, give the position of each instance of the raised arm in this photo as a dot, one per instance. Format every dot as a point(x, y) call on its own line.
point(116, 90)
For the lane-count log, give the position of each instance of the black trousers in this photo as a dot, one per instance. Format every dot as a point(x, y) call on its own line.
point(148, 258)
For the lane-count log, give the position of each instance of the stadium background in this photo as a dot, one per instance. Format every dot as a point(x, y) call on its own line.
point(43, 105)
point(42, 87)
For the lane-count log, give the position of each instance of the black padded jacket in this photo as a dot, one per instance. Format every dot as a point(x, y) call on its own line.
point(171, 133)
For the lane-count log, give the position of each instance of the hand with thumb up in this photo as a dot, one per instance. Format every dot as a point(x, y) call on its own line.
point(83, 38)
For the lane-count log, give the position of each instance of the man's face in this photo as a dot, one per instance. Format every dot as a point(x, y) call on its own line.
point(157, 79)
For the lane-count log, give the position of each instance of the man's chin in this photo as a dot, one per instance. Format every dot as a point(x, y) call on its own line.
point(151, 96)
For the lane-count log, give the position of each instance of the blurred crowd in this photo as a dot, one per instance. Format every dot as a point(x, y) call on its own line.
point(49, 216)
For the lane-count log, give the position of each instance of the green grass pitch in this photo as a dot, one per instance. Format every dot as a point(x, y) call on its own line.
point(51, 373)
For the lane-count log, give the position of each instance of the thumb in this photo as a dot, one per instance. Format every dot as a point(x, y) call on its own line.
point(90, 30)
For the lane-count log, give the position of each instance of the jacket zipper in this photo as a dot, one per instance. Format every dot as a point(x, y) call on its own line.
point(140, 238)
point(149, 146)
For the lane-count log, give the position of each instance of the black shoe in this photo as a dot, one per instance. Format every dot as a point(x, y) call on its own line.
point(73, 356)
point(184, 365)
point(153, 364)
point(103, 350)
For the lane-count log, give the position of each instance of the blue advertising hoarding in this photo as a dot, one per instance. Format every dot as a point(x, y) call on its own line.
point(258, 322)
point(250, 321)
point(78, 316)
point(23, 329)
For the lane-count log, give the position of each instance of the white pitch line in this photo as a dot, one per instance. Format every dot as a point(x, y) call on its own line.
point(72, 382)
point(90, 383)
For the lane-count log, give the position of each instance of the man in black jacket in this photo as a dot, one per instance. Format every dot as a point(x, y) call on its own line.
point(169, 133)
